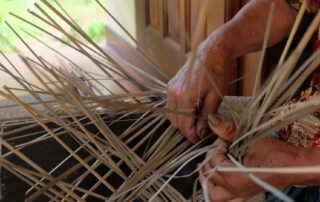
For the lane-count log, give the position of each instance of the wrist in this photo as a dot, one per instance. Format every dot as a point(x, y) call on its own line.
point(217, 50)
point(300, 157)
point(270, 153)
point(307, 158)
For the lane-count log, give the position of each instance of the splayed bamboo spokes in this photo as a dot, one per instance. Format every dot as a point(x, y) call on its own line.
point(119, 140)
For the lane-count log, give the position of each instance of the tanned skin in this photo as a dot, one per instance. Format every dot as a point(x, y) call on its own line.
point(243, 34)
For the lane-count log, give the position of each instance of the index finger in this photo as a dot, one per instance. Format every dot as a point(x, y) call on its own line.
point(187, 119)
point(215, 192)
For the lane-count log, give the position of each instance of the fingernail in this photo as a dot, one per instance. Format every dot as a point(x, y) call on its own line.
point(214, 120)
point(203, 132)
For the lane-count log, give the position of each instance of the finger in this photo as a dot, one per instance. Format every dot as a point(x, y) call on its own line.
point(215, 177)
point(208, 187)
point(172, 105)
point(186, 123)
point(202, 178)
point(223, 128)
point(210, 105)
point(211, 153)
point(186, 117)
point(215, 192)
point(217, 160)
point(219, 194)
point(238, 200)
point(212, 175)
point(206, 184)
point(220, 146)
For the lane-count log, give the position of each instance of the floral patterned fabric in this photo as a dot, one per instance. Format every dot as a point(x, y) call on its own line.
point(313, 5)
point(305, 132)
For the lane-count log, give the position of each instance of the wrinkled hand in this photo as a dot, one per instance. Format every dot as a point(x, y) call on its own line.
point(238, 186)
point(202, 97)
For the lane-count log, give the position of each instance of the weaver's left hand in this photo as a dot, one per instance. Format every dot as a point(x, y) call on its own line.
point(226, 186)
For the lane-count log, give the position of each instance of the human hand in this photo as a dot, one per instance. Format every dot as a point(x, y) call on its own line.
point(199, 97)
point(265, 152)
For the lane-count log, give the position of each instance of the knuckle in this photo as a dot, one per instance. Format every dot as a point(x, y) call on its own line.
point(194, 98)
point(215, 160)
point(171, 90)
point(180, 93)
point(173, 122)
point(185, 133)
point(212, 196)
point(191, 137)
point(172, 98)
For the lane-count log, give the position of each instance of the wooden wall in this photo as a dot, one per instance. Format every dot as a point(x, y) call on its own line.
point(164, 28)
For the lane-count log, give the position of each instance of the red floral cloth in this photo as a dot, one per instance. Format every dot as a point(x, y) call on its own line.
point(312, 7)
point(306, 132)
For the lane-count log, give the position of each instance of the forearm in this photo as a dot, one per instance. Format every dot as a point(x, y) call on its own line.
point(307, 158)
point(293, 157)
point(273, 153)
point(245, 32)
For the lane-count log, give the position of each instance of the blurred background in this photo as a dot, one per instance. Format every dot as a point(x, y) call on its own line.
point(87, 13)
point(163, 29)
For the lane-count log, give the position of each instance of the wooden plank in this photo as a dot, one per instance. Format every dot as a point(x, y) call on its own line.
point(248, 66)
point(215, 14)
point(232, 7)
point(195, 7)
point(154, 13)
point(185, 26)
point(174, 19)
point(167, 51)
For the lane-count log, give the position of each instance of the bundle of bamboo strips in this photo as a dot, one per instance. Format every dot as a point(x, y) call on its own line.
point(111, 139)
point(80, 114)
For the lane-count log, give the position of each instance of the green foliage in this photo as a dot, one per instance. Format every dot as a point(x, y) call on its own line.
point(78, 9)
point(96, 31)
point(5, 33)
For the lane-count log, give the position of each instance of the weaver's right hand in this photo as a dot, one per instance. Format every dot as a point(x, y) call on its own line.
point(201, 96)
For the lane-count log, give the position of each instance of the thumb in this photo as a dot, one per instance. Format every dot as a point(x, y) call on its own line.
point(223, 128)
